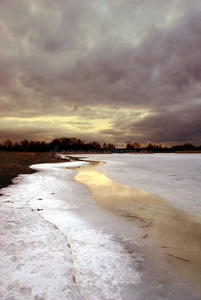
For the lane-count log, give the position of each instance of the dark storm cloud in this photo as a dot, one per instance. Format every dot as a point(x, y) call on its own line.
point(86, 58)
point(171, 126)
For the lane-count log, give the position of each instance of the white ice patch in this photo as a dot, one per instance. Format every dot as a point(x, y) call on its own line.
point(103, 268)
point(35, 260)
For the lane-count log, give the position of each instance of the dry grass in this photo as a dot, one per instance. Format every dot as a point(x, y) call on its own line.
point(14, 163)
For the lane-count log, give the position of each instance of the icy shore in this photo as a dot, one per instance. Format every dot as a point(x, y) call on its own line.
point(57, 244)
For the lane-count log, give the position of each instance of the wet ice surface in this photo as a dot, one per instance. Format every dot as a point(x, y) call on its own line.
point(175, 231)
point(57, 244)
point(175, 177)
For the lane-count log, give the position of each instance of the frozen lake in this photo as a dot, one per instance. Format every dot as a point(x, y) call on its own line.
point(75, 239)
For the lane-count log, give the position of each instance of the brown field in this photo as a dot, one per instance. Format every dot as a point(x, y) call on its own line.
point(14, 163)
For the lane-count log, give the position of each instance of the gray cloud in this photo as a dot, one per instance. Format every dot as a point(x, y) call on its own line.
point(171, 126)
point(96, 60)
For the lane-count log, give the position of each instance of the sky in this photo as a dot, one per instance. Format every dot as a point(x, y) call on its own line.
point(110, 71)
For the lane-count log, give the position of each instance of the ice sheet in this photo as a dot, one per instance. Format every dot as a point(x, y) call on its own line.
point(57, 244)
point(175, 177)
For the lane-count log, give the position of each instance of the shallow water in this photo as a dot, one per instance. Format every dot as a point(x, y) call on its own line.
point(176, 232)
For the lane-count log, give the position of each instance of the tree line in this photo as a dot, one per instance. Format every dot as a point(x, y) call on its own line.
point(75, 145)
point(61, 144)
